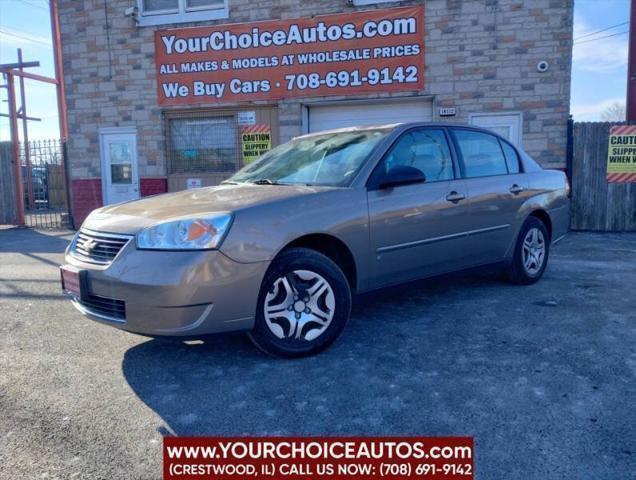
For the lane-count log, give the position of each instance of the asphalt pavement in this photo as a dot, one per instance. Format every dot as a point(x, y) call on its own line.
point(542, 376)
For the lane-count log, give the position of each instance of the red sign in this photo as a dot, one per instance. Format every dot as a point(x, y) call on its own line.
point(70, 280)
point(342, 54)
point(332, 458)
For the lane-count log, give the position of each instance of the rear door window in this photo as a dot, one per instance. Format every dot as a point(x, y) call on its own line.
point(425, 149)
point(512, 158)
point(481, 153)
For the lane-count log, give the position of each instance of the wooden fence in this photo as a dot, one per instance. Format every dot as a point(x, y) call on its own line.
point(7, 185)
point(596, 204)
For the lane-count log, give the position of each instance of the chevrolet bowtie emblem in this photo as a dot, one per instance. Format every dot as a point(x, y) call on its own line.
point(89, 245)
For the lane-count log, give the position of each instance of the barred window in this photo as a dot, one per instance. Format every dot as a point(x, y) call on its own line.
point(203, 144)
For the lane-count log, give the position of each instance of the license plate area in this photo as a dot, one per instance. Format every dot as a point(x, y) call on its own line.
point(72, 279)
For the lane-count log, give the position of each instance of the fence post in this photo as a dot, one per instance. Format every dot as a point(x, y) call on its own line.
point(15, 151)
point(67, 184)
point(569, 152)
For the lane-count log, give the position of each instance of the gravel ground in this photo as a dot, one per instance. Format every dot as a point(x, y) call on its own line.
point(543, 376)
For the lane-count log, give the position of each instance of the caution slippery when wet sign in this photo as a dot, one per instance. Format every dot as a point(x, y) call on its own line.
point(621, 157)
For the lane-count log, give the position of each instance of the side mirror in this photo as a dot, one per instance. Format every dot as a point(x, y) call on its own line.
point(402, 175)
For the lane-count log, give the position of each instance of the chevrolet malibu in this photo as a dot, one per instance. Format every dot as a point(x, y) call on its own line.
point(279, 249)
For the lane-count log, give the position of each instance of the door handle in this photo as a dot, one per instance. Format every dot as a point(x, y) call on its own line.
point(455, 197)
point(516, 189)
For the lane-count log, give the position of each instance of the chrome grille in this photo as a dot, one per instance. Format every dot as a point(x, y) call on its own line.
point(96, 247)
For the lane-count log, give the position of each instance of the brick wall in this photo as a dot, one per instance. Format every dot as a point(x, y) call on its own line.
point(481, 56)
point(152, 186)
point(86, 194)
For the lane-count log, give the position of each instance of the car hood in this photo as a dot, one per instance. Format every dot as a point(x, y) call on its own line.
point(130, 217)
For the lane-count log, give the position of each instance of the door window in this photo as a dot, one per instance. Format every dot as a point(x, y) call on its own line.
point(120, 162)
point(481, 154)
point(426, 150)
point(503, 130)
point(508, 125)
point(512, 159)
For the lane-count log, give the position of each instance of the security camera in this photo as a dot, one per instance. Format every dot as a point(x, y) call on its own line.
point(543, 66)
point(131, 12)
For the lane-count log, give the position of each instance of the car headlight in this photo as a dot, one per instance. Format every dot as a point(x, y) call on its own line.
point(200, 232)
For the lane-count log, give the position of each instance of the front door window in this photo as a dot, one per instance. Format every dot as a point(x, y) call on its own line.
point(426, 150)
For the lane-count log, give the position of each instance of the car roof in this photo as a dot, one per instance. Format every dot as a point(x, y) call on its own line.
point(361, 128)
point(397, 127)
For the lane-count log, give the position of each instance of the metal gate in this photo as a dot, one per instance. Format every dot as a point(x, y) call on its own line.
point(45, 185)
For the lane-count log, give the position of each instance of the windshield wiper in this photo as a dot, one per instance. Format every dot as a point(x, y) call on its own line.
point(265, 181)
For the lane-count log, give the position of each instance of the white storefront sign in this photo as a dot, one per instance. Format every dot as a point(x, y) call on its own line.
point(247, 118)
point(193, 183)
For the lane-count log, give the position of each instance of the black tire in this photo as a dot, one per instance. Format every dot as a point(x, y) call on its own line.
point(516, 272)
point(289, 261)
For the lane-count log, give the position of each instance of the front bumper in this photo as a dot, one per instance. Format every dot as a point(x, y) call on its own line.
point(174, 293)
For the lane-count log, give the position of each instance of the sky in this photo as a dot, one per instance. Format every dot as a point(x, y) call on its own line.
point(599, 71)
point(26, 24)
point(599, 64)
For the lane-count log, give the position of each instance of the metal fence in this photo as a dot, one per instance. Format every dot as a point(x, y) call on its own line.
point(596, 204)
point(46, 200)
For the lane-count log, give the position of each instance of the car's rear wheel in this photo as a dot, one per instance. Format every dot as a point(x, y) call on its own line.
point(531, 253)
point(303, 305)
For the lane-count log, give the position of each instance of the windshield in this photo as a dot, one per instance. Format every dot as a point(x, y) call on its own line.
point(331, 160)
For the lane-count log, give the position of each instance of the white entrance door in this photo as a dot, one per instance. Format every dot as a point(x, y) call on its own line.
point(328, 117)
point(508, 125)
point(120, 178)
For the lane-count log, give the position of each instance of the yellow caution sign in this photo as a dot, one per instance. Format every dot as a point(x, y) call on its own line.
point(255, 140)
point(621, 157)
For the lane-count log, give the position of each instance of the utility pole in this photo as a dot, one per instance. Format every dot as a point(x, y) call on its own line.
point(59, 71)
point(25, 137)
point(15, 150)
point(631, 66)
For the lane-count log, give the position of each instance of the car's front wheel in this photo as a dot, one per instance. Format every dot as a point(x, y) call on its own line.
point(303, 305)
point(531, 253)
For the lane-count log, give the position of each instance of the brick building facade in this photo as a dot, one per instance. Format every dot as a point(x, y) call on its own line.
point(503, 64)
